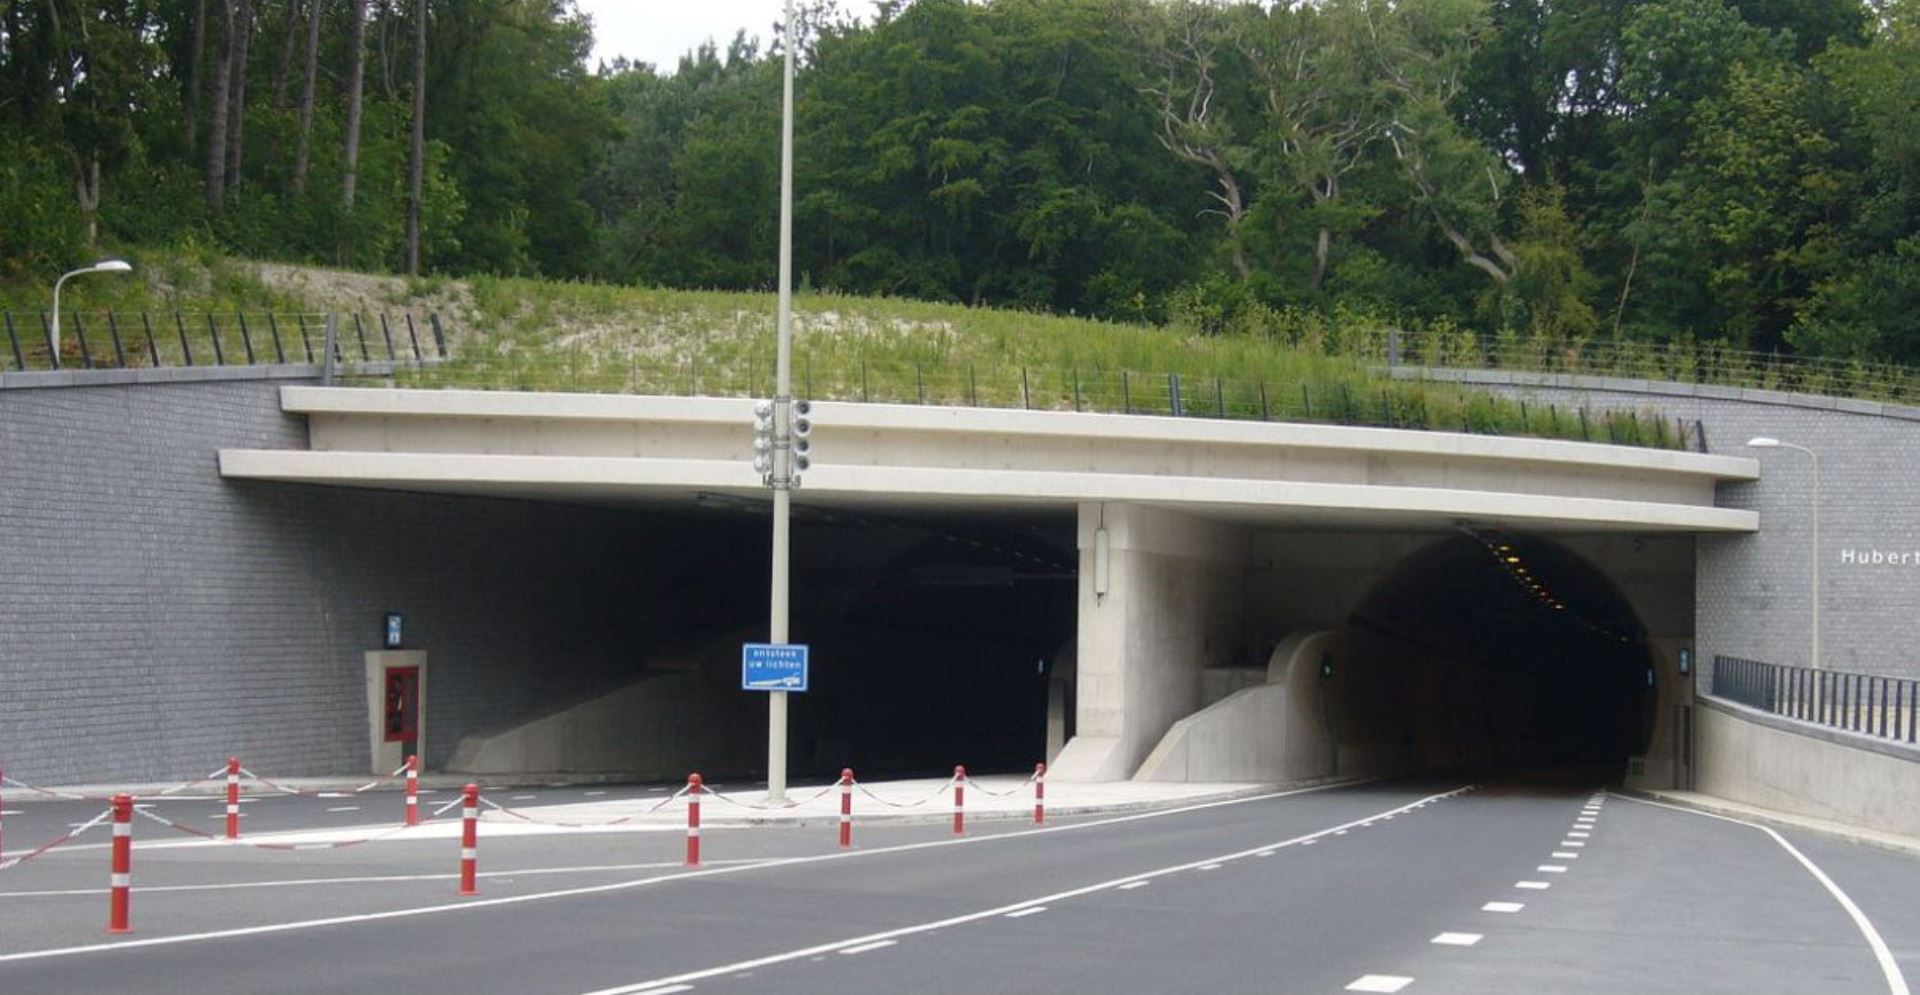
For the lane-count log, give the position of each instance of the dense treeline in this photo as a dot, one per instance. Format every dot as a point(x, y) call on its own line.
point(1742, 170)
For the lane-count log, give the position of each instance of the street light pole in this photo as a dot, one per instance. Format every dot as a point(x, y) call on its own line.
point(1763, 442)
point(53, 333)
point(782, 436)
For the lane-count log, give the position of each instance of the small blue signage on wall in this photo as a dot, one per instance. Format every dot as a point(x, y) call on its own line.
point(393, 630)
point(771, 667)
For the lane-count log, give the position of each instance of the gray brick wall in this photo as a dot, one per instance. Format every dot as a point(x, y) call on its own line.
point(155, 618)
point(1754, 593)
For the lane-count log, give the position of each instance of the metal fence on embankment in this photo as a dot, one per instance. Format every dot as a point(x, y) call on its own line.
point(1869, 704)
point(113, 340)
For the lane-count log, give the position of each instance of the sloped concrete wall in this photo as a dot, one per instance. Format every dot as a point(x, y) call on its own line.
point(1764, 760)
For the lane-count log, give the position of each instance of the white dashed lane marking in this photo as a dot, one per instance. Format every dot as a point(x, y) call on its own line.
point(1130, 885)
point(1503, 907)
point(1565, 855)
point(1575, 844)
point(1457, 939)
point(343, 808)
point(1023, 913)
point(1379, 983)
point(864, 947)
point(1209, 867)
point(1552, 869)
point(1532, 885)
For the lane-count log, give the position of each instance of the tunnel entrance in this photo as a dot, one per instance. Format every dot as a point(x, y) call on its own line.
point(1504, 650)
point(936, 636)
point(933, 637)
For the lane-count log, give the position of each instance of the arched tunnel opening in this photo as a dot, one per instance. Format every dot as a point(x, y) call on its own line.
point(1489, 649)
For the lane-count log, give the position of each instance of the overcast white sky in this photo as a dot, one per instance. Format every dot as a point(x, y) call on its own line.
point(660, 31)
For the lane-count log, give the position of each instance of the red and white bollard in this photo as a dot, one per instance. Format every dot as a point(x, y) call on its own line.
point(846, 806)
point(469, 838)
point(413, 790)
point(1039, 794)
point(233, 798)
point(694, 788)
point(959, 799)
point(120, 884)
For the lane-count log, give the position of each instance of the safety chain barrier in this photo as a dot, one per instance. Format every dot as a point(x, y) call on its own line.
point(623, 820)
point(58, 841)
point(408, 770)
point(71, 797)
point(122, 811)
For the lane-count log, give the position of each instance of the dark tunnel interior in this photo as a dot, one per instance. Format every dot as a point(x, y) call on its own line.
point(1534, 652)
point(933, 636)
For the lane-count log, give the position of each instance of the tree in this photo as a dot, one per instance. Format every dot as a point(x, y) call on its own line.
point(308, 80)
point(217, 119)
point(417, 155)
point(356, 89)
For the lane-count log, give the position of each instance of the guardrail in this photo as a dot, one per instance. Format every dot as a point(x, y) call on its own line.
point(1869, 704)
point(110, 340)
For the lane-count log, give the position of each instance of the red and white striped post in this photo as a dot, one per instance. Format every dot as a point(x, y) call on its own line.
point(233, 798)
point(413, 790)
point(469, 838)
point(959, 799)
point(1039, 794)
point(120, 884)
point(694, 788)
point(846, 806)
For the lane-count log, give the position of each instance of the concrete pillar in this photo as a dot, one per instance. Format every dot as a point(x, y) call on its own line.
point(1174, 603)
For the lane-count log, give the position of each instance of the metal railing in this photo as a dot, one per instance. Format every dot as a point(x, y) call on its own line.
point(1677, 362)
point(110, 340)
point(1869, 704)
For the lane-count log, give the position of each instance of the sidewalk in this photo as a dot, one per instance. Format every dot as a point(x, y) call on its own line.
point(922, 800)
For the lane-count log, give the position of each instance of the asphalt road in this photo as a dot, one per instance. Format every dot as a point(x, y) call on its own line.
point(1316, 891)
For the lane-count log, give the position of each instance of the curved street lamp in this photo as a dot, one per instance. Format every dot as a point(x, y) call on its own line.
point(1764, 442)
point(103, 266)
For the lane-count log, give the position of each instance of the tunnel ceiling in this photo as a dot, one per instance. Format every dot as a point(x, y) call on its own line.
point(1502, 596)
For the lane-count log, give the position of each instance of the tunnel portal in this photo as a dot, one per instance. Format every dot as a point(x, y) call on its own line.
point(1504, 650)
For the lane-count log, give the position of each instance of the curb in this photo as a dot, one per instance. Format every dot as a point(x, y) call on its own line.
point(1876, 839)
point(1001, 815)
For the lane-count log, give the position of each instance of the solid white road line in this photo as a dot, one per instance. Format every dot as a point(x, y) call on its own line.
point(675, 990)
point(1209, 867)
point(600, 889)
point(1457, 939)
point(1889, 968)
point(344, 808)
point(1130, 885)
point(1030, 911)
point(1379, 983)
point(1503, 907)
point(862, 948)
point(654, 986)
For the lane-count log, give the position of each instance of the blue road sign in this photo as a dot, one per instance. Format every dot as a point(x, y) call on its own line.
point(770, 667)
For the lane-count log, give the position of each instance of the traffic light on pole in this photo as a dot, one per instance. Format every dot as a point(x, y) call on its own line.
point(802, 428)
point(763, 440)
